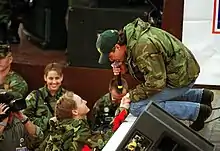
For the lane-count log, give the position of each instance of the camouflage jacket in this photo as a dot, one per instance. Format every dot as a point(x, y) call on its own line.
point(157, 59)
point(103, 112)
point(14, 132)
point(41, 115)
point(14, 82)
point(73, 134)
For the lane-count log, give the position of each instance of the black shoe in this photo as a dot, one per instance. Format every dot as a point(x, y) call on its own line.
point(204, 112)
point(207, 97)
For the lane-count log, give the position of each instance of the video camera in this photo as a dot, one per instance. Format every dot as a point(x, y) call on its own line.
point(15, 104)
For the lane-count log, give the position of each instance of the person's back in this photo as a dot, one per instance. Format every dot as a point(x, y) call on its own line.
point(145, 43)
point(68, 134)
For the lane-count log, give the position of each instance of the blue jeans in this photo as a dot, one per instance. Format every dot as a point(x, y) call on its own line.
point(182, 103)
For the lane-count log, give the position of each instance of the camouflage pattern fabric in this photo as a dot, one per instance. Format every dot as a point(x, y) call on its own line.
point(157, 59)
point(14, 131)
point(5, 11)
point(43, 114)
point(4, 50)
point(73, 134)
point(15, 83)
point(104, 111)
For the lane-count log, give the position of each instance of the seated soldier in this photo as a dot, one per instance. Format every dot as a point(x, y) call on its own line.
point(104, 110)
point(16, 131)
point(10, 80)
point(70, 130)
point(41, 102)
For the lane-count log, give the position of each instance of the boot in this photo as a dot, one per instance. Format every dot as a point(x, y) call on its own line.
point(204, 112)
point(207, 97)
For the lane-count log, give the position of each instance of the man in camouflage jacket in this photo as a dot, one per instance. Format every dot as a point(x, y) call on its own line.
point(10, 80)
point(165, 68)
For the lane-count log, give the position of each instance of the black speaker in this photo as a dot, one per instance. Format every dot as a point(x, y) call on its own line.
point(84, 26)
point(156, 130)
point(45, 24)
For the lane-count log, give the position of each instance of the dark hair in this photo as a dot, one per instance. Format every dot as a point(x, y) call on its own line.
point(113, 84)
point(53, 67)
point(122, 40)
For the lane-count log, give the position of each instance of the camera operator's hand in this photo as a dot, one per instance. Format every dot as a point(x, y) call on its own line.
point(3, 108)
point(3, 116)
point(125, 101)
point(19, 115)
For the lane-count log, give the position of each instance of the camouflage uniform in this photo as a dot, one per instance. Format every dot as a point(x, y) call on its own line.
point(103, 112)
point(14, 82)
point(42, 114)
point(160, 57)
point(14, 131)
point(73, 134)
point(165, 68)
point(39, 113)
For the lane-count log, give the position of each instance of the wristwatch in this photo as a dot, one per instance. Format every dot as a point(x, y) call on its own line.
point(25, 120)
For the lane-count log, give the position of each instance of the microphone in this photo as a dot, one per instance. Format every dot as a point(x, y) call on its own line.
point(117, 64)
point(120, 87)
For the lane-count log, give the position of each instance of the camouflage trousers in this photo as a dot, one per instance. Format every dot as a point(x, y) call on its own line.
point(182, 103)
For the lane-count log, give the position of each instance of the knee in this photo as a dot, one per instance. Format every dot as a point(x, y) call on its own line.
point(136, 110)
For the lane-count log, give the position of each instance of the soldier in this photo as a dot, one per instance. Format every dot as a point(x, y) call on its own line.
point(10, 80)
point(70, 129)
point(105, 109)
point(41, 102)
point(16, 130)
point(165, 68)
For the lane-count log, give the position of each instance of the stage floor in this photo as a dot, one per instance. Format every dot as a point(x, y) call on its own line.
point(27, 52)
point(212, 130)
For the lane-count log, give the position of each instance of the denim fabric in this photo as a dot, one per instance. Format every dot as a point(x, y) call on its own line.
point(182, 103)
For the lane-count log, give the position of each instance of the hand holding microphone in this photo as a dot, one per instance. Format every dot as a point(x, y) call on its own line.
point(116, 68)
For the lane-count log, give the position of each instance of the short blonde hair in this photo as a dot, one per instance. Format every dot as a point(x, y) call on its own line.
point(65, 105)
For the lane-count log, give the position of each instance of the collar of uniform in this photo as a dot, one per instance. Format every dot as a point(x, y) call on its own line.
point(46, 92)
